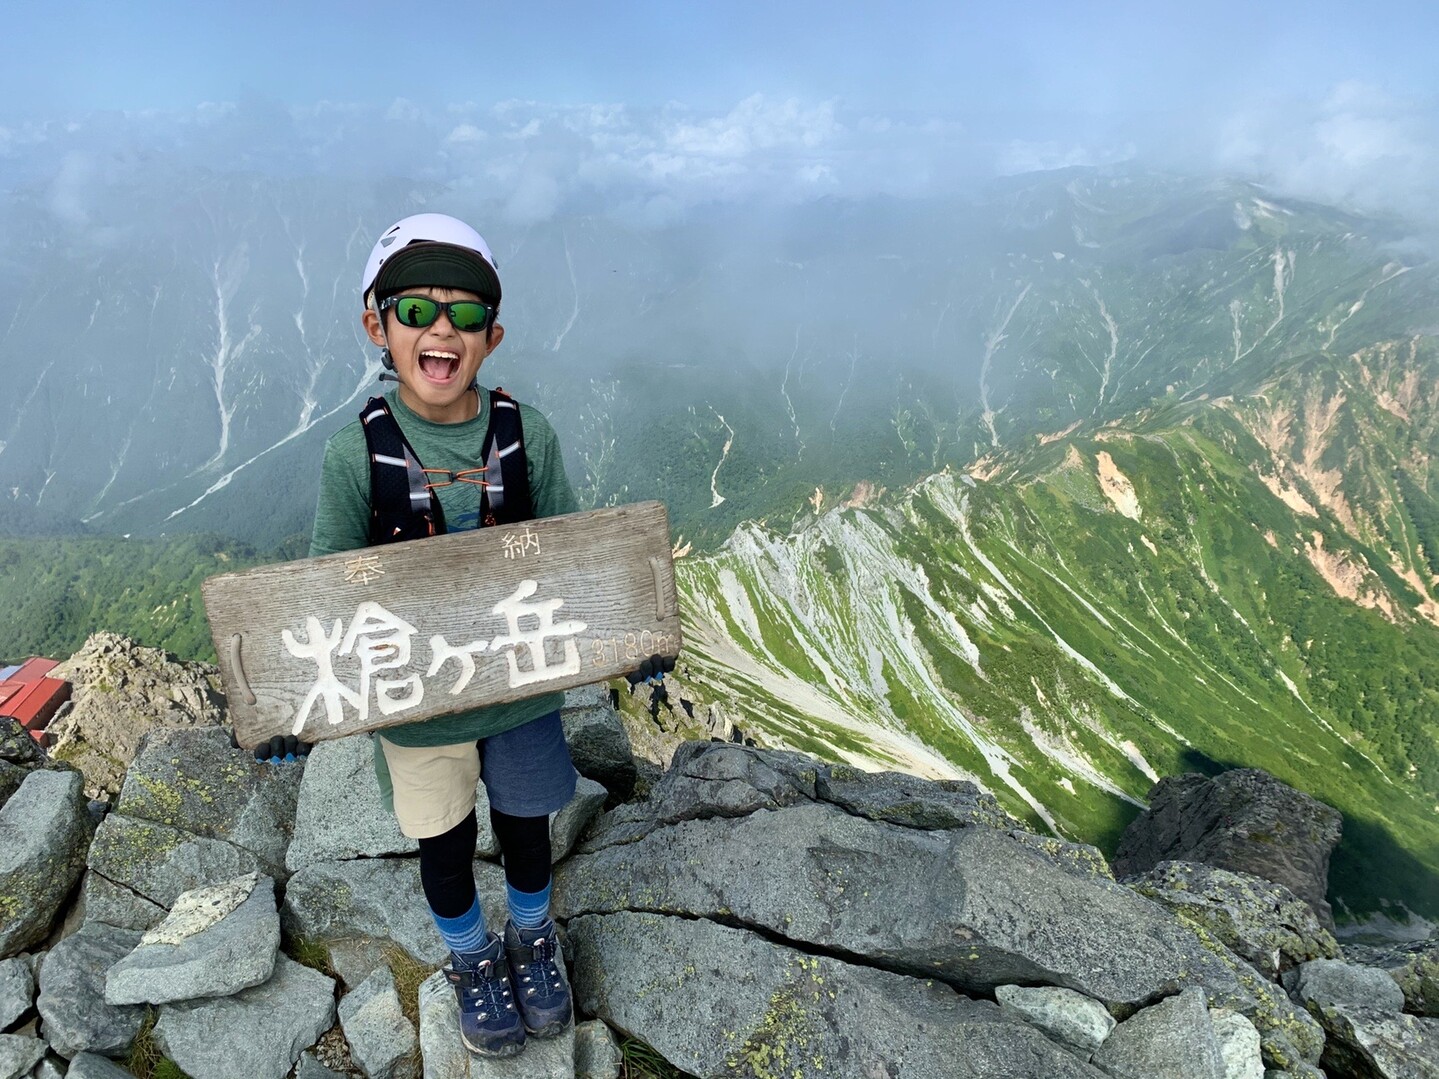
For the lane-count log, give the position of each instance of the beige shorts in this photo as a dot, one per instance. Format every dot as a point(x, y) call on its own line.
point(435, 786)
point(527, 772)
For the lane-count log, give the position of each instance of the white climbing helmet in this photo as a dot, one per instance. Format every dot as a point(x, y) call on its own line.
point(439, 250)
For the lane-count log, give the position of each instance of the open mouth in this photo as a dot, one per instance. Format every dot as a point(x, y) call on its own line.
point(439, 366)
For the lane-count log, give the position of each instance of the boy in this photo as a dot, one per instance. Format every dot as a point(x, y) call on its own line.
point(443, 458)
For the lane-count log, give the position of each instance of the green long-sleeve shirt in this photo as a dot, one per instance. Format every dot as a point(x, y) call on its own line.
point(342, 523)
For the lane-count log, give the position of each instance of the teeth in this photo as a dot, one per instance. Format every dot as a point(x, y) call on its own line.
point(440, 355)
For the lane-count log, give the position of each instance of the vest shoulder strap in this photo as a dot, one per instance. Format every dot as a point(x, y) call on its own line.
point(402, 507)
point(506, 494)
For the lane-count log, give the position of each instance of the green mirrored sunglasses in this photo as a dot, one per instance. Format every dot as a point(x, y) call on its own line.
point(418, 312)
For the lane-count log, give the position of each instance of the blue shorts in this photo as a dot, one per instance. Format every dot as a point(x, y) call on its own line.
point(526, 770)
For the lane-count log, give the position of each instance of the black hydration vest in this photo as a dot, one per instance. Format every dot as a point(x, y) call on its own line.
point(402, 504)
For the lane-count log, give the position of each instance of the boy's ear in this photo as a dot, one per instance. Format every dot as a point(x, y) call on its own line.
point(496, 335)
point(371, 321)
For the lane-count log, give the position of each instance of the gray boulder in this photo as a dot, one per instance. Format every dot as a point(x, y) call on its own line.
point(1418, 977)
point(215, 942)
point(1067, 1017)
point(258, 1033)
point(1263, 922)
point(445, 1056)
point(904, 799)
point(1173, 1039)
point(1369, 1044)
point(341, 814)
point(1242, 820)
point(1330, 982)
point(18, 1054)
point(597, 1054)
point(104, 901)
point(90, 1066)
point(599, 745)
point(193, 779)
point(711, 779)
point(982, 911)
point(383, 1043)
point(158, 862)
point(378, 898)
point(569, 823)
point(1239, 1046)
point(17, 990)
point(674, 983)
point(74, 1017)
point(44, 833)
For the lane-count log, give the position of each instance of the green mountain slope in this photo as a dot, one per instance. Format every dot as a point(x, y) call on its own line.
point(1099, 610)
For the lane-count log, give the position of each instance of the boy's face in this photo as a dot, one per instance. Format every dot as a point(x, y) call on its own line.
point(436, 363)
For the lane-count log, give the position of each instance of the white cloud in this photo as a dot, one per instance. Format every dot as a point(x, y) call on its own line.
point(466, 133)
point(1359, 146)
point(755, 124)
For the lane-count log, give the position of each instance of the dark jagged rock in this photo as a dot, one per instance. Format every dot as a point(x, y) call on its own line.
point(74, 1017)
point(1369, 1044)
point(44, 833)
point(675, 984)
point(18, 748)
point(711, 779)
point(122, 691)
point(1243, 820)
point(899, 798)
point(1265, 923)
point(11, 776)
point(1414, 964)
point(1418, 977)
point(598, 743)
point(195, 780)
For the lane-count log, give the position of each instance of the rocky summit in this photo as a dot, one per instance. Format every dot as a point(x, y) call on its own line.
point(746, 912)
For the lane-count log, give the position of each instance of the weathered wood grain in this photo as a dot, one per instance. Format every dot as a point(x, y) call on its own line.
point(398, 626)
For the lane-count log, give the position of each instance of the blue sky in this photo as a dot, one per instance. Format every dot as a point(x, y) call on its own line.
point(925, 56)
point(660, 105)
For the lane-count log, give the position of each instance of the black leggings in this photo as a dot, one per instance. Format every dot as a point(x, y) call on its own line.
point(446, 860)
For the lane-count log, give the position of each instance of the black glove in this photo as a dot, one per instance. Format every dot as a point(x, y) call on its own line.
point(655, 667)
point(285, 749)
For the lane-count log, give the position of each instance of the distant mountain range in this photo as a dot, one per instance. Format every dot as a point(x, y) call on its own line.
point(1083, 479)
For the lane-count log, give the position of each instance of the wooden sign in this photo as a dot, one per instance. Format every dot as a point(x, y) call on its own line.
point(325, 647)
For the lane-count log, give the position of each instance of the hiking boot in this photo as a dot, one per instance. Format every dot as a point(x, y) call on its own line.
point(541, 989)
point(490, 1025)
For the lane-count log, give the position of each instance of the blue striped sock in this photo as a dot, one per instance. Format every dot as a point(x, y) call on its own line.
point(465, 934)
point(528, 910)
